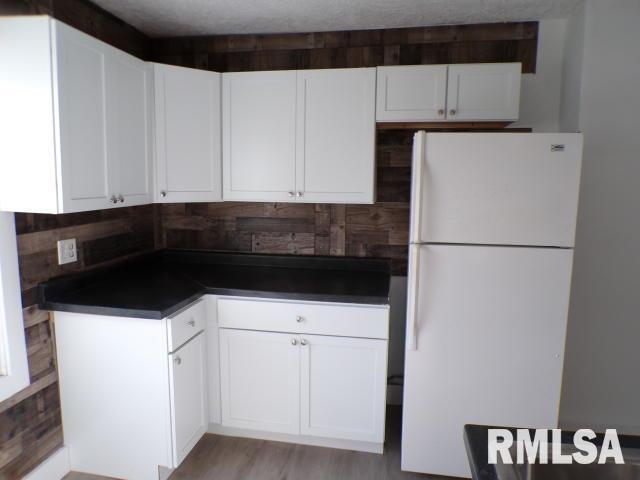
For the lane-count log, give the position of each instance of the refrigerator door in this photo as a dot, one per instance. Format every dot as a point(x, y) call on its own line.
point(490, 328)
point(498, 188)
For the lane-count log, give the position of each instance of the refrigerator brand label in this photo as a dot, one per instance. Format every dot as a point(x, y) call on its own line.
point(557, 148)
point(539, 449)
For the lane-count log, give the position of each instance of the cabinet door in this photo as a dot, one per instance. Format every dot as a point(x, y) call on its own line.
point(415, 93)
point(489, 91)
point(336, 135)
point(128, 128)
point(188, 396)
point(188, 143)
point(81, 76)
point(259, 142)
point(343, 387)
point(260, 380)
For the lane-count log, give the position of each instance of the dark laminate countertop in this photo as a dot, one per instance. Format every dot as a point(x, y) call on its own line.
point(162, 283)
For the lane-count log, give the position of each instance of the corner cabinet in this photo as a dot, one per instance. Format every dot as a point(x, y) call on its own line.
point(76, 118)
point(448, 93)
point(299, 136)
point(133, 391)
point(187, 135)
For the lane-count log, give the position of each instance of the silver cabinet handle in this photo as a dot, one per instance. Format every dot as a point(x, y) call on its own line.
point(299, 194)
point(303, 342)
point(441, 111)
point(177, 360)
point(191, 323)
point(294, 342)
point(291, 194)
point(452, 111)
point(299, 319)
point(163, 193)
point(121, 198)
point(113, 199)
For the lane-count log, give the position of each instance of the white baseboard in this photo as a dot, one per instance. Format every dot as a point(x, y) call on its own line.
point(301, 439)
point(53, 468)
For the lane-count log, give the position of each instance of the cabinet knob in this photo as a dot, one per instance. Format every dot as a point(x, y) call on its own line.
point(294, 342)
point(299, 318)
point(163, 193)
point(441, 111)
point(452, 111)
point(303, 342)
point(191, 323)
point(299, 194)
point(121, 198)
point(177, 360)
point(113, 199)
point(291, 194)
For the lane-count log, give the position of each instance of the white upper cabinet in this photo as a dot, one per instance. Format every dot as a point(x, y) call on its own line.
point(336, 135)
point(259, 135)
point(75, 119)
point(412, 93)
point(187, 135)
point(306, 136)
point(489, 91)
point(448, 93)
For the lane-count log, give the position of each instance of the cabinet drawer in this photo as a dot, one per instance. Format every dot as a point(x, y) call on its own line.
point(304, 317)
point(185, 324)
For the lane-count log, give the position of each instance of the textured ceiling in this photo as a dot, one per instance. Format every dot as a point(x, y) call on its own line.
point(160, 18)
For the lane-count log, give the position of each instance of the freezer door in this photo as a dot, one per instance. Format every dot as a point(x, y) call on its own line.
point(499, 188)
point(490, 333)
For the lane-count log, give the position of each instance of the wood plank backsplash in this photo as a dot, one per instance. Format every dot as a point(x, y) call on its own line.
point(378, 230)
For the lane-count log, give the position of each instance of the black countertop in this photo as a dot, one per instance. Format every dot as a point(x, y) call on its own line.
point(159, 284)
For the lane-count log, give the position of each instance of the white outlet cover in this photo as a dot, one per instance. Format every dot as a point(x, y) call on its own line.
point(67, 251)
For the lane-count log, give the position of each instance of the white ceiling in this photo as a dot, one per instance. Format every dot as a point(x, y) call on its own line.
point(209, 17)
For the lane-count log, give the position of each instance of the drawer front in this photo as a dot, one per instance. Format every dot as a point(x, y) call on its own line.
point(304, 317)
point(185, 324)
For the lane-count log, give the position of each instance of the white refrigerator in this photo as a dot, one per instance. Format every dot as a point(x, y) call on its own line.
point(492, 231)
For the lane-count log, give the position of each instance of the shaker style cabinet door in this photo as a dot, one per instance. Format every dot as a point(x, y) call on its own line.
point(128, 128)
point(260, 380)
point(259, 135)
point(489, 91)
point(413, 93)
point(343, 385)
point(81, 87)
point(336, 135)
point(188, 135)
point(188, 389)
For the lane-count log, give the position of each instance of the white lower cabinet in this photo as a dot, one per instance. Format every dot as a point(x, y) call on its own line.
point(343, 386)
point(260, 380)
point(187, 384)
point(309, 386)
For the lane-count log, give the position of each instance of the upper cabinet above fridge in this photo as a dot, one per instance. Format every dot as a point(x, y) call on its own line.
point(75, 119)
point(449, 93)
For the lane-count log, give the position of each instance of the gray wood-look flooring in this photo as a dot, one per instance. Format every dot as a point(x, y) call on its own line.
point(230, 458)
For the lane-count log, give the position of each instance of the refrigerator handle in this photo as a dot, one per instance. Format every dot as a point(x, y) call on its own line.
point(417, 181)
point(412, 297)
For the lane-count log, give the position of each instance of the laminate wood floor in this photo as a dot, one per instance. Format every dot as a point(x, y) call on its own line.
point(229, 458)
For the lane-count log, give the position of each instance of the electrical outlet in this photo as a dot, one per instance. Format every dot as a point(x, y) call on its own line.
point(67, 251)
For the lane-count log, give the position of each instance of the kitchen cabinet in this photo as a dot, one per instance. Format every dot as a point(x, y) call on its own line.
point(343, 385)
point(76, 118)
point(187, 391)
point(260, 380)
point(306, 136)
point(259, 136)
point(411, 93)
point(283, 380)
point(132, 398)
point(448, 93)
point(187, 134)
